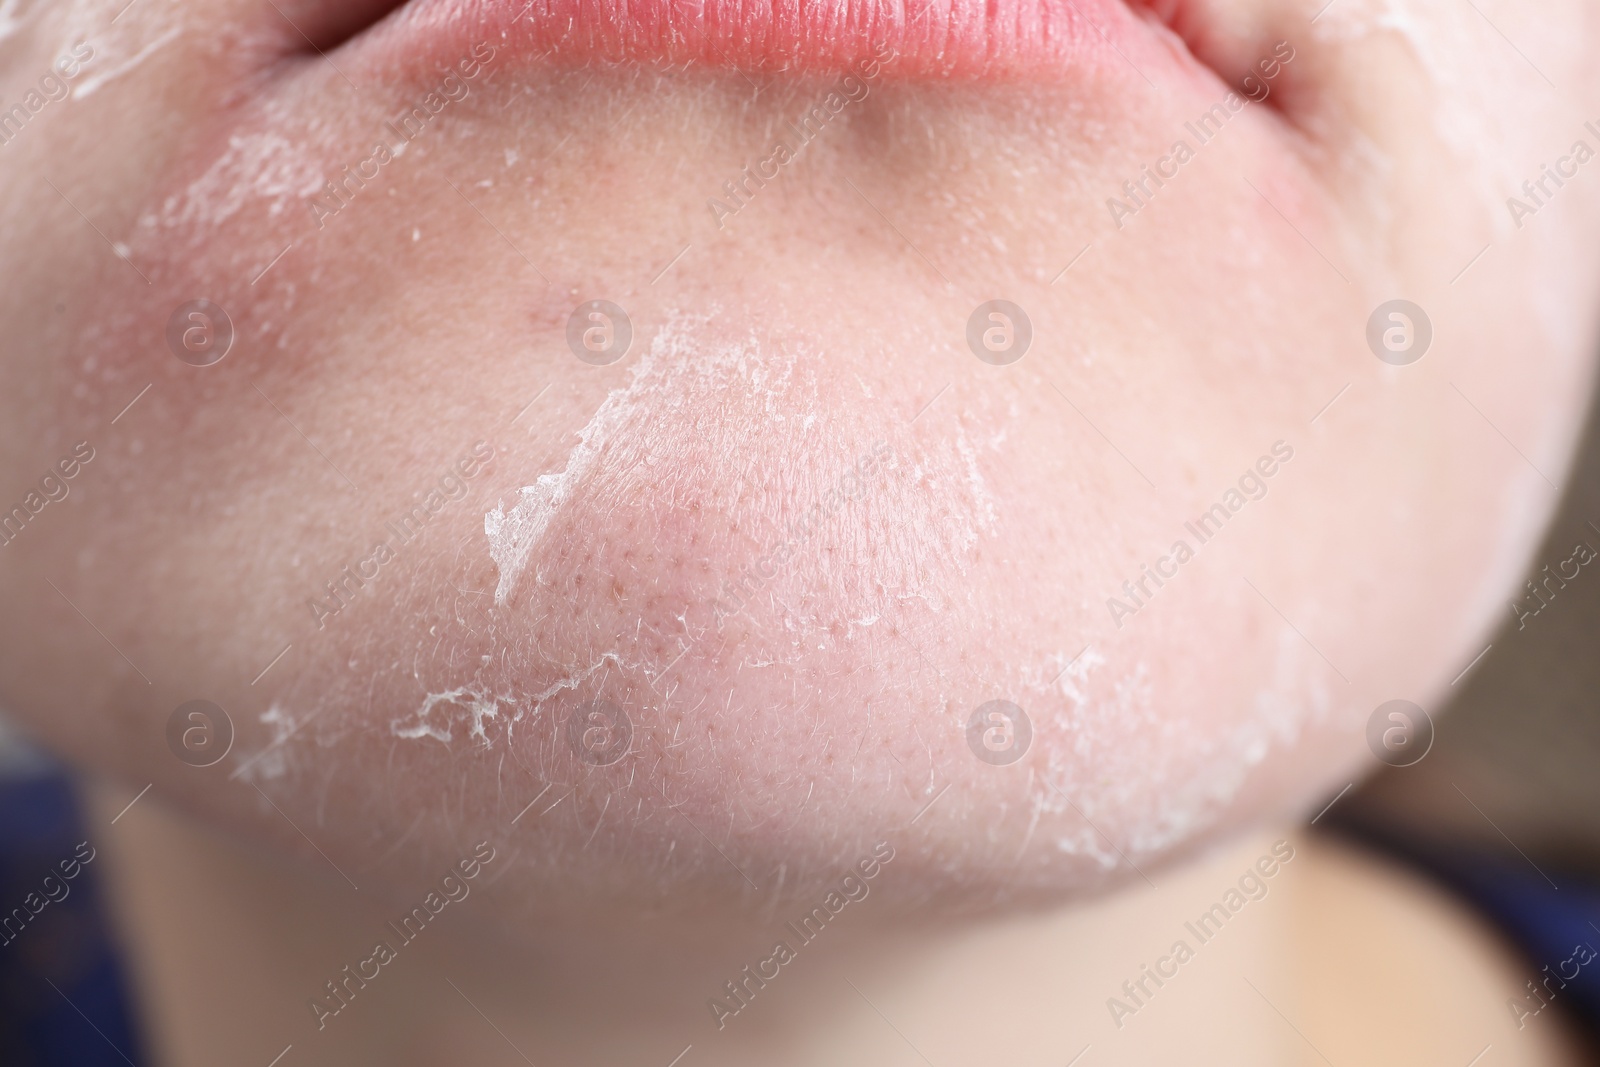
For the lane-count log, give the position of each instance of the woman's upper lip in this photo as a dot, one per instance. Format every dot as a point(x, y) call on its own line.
point(907, 38)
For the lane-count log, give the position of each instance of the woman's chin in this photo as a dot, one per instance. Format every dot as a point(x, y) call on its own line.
point(687, 518)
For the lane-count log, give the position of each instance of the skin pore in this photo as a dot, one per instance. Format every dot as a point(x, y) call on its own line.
point(799, 531)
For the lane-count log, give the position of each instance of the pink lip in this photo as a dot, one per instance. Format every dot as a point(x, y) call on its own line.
point(908, 38)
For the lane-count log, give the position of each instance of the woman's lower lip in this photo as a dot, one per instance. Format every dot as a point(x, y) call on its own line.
point(964, 39)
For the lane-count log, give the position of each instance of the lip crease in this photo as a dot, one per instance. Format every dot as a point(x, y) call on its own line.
point(957, 39)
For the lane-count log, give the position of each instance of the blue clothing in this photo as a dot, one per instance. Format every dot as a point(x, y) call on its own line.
point(63, 999)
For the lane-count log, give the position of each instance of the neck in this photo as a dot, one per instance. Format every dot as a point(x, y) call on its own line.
point(230, 947)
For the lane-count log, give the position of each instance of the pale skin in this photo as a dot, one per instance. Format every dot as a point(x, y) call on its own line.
point(1187, 336)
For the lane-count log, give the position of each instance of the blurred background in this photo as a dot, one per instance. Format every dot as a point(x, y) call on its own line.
point(1505, 807)
point(63, 997)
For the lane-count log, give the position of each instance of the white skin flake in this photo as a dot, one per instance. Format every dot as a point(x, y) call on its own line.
point(441, 712)
point(273, 760)
point(513, 535)
point(479, 705)
point(672, 370)
point(1148, 804)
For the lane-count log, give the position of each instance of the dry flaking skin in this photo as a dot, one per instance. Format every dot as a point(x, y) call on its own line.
point(800, 533)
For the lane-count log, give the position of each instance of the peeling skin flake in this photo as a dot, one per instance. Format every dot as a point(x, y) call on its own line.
point(676, 367)
point(514, 535)
point(1150, 805)
point(694, 398)
point(272, 761)
point(434, 717)
point(477, 703)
